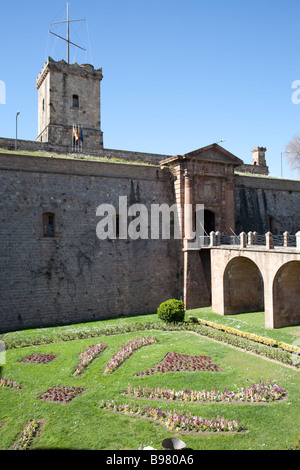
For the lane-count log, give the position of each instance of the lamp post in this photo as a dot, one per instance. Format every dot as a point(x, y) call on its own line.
point(283, 153)
point(17, 129)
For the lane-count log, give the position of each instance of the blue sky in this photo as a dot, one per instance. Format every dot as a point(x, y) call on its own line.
point(178, 74)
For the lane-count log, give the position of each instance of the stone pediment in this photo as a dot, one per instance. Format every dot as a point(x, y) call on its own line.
point(215, 154)
point(212, 153)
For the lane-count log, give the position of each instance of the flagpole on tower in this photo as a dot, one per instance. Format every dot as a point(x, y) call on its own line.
point(68, 33)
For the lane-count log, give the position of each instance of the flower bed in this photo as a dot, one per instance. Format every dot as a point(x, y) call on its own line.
point(38, 358)
point(126, 351)
point(175, 420)
point(9, 383)
point(88, 356)
point(174, 362)
point(279, 353)
point(61, 394)
point(283, 355)
point(28, 435)
point(255, 393)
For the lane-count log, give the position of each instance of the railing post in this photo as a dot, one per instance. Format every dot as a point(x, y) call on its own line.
point(243, 240)
point(254, 238)
point(250, 238)
point(286, 239)
point(218, 238)
point(269, 241)
point(212, 236)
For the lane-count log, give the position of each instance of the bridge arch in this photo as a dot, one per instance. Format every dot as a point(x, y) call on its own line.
point(286, 295)
point(243, 286)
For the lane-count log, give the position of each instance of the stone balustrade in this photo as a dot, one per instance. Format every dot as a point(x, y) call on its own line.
point(252, 239)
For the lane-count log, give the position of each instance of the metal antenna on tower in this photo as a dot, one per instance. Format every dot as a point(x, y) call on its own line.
point(68, 21)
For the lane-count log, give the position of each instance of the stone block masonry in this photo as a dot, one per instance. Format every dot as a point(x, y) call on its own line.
point(266, 204)
point(69, 95)
point(40, 147)
point(75, 277)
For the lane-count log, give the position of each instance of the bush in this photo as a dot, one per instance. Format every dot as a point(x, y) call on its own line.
point(171, 311)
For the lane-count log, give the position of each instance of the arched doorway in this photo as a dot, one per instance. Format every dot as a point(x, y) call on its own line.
point(209, 221)
point(286, 295)
point(243, 287)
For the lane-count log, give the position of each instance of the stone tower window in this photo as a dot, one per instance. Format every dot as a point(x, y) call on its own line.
point(48, 225)
point(75, 101)
point(43, 105)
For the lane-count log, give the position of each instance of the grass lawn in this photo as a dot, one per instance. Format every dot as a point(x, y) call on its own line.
point(81, 424)
point(77, 156)
point(252, 323)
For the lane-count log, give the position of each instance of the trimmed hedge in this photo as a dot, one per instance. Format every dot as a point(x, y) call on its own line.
point(171, 311)
point(251, 336)
point(234, 331)
point(289, 347)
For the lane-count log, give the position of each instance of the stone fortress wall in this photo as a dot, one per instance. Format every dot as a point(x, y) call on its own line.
point(266, 204)
point(73, 276)
point(36, 146)
point(76, 277)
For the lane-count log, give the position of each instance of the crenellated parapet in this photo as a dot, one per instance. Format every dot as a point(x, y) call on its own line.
point(62, 66)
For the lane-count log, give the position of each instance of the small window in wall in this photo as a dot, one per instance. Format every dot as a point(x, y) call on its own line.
point(43, 105)
point(75, 101)
point(48, 225)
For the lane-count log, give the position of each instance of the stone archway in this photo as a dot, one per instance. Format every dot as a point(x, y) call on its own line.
point(243, 287)
point(286, 295)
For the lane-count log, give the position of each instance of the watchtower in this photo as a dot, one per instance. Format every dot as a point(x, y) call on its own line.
point(259, 156)
point(69, 106)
